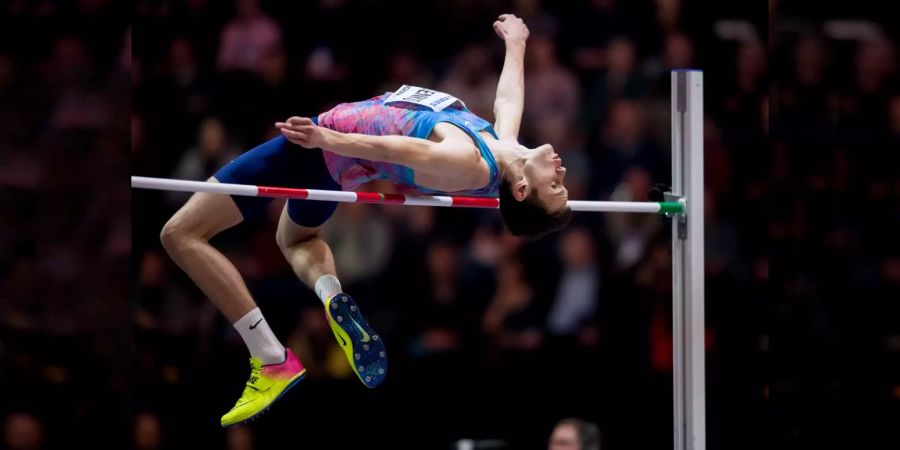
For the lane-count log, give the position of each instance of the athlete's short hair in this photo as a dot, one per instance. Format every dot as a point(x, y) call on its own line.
point(529, 217)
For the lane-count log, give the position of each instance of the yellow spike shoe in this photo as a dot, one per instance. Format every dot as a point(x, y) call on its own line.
point(266, 384)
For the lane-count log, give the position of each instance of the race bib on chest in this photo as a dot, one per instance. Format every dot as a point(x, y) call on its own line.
point(429, 98)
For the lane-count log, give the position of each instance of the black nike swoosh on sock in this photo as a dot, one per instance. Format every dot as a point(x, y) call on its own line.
point(255, 324)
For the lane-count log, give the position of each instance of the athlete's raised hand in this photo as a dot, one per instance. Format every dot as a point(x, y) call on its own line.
point(302, 131)
point(511, 28)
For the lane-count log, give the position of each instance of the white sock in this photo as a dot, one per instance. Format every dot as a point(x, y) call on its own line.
point(327, 286)
point(259, 338)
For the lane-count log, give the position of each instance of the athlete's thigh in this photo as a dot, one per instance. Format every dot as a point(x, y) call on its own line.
point(206, 214)
point(301, 219)
point(268, 164)
point(290, 232)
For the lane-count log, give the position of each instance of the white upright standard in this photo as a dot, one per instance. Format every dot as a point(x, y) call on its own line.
point(687, 261)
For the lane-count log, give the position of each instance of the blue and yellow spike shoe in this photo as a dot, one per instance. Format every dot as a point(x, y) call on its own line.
point(362, 346)
point(266, 384)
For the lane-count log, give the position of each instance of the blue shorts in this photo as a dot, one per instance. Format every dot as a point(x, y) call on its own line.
point(281, 163)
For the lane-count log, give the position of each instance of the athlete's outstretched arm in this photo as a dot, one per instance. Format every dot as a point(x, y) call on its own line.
point(447, 157)
point(510, 100)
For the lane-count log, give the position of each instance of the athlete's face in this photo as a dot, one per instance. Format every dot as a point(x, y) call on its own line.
point(545, 173)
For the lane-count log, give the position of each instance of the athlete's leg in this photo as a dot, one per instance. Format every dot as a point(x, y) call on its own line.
point(308, 254)
point(186, 238)
point(186, 235)
point(301, 220)
point(312, 261)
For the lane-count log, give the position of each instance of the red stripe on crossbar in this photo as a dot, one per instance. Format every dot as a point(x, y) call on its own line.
point(368, 197)
point(394, 199)
point(477, 202)
point(374, 197)
point(283, 192)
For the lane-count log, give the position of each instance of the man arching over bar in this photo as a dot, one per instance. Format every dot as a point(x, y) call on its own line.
point(418, 138)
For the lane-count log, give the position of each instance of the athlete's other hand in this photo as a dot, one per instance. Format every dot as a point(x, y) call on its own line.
point(301, 131)
point(511, 28)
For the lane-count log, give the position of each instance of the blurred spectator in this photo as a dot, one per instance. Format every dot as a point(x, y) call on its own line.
point(653, 283)
point(537, 19)
point(25, 7)
point(576, 297)
point(404, 67)
point(551, 91)
point(148, 434)
point(718, 167)
point(473, 79)
point(322, 66)
point(78, 105)
point(182, 65)
point(619, 79)
point(440, 317)
point(804, 100)
point(274, 67)
point(212, 151)
point(23, 431)
point(510, 321)
point(721, 240)
point(313, 342)
point(20, 287)
point(326, 77)
point(361, 240)
point(575, 434)
point(677, 53)
point(166, 307)
point(668, 14)
point(631, 233)
point(280, 95)
point(239, 438)
point(751, 66)
point(589, 32)
point(184, 83)
point(622, 144)
point(246, 38)
point(875, 62)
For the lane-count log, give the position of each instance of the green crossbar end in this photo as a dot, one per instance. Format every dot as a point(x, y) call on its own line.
point(671, 207)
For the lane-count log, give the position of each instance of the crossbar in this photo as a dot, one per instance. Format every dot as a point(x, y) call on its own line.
point(166, 184)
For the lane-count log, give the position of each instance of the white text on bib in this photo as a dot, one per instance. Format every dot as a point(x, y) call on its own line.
point(429, 98)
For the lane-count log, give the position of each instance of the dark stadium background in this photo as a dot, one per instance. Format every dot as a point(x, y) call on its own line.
point(104, 342)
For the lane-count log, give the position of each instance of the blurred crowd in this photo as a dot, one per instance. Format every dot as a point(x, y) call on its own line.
point(475, 320)
point(65, 226)
point(834, 337)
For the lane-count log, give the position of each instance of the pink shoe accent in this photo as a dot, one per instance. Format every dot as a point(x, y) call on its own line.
point(286, 370)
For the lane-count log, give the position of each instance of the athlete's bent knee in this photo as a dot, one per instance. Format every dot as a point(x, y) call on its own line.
point(171, 236)
point(175, 235)
point(286, 242)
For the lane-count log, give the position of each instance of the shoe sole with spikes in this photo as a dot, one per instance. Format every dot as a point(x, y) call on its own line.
point(361, 344)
